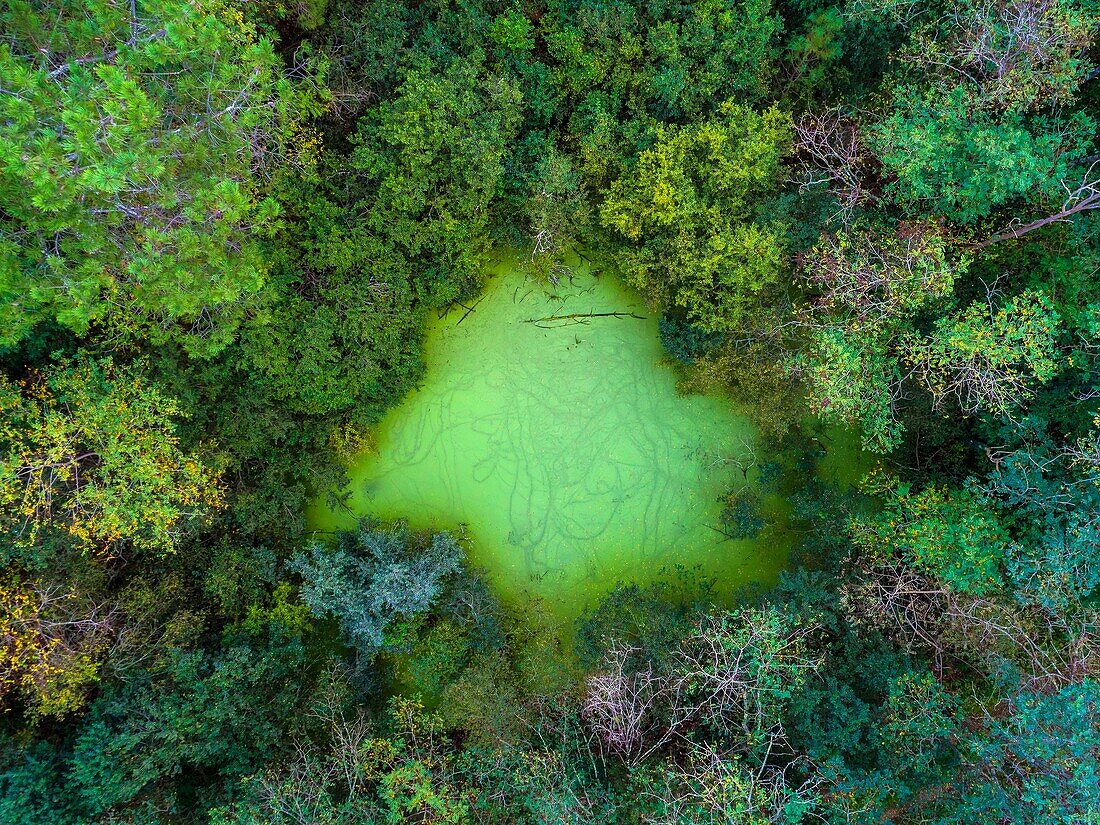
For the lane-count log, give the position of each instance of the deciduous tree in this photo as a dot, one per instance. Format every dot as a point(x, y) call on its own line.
point(91, 450)
point(685, 212)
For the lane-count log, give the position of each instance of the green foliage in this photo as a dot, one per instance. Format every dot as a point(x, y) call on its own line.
point(513, 31)
point(877, 278)
point(990, 360)
point(773, 655)
point(429, 164)
point(436, 658)
point(236, 577)
point(372, 577)
point(870, 285)
point(949, 533)
point(1013, 56)
point(955, 159)
point(652, 618)
point(223, 712)
point(340, 340)
point(853, 381)
point(182, 199)
point(485, 701)
point(741, 517)
point(401, 774)
point(1050, 493)
point(308, 14)
point(686, 212)
point(1060, 569)
point(617, 65)
point(684, 341)
point(558, 213)
point(709, 788)
point(54, 644)
point(135, 151)
point(31, 790)
point(919, 720)
point(816, 49)
point(1041, 763)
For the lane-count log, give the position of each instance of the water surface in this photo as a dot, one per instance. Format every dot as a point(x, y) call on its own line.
point(550, 428)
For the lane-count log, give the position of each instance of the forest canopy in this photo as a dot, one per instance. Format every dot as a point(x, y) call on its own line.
point(224, 226)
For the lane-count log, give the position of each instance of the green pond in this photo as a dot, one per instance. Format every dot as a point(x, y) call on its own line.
point(549, 430)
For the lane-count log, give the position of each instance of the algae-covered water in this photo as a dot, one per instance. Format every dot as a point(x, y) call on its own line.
point(550, 429)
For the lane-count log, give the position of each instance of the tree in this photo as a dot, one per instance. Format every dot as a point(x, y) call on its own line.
point(1040, 762)
point(708, 787)
point(1081, 195)
point(685, 212)
point(867, 286)
point(703, 730)
point(684, 341)
point(1049, 487)
point(1015, 55)
point(954, 160)
point(427, 166)
point(736, 672)
point(853, 380)
point(730, 678)
point(223, 712)
point(979, 116)
point(624, 701)
point(343, 335)
point(869, 277)
point(51, 646)
point(986, 359)
point(32, 790)
point(831, 151)
point(91, 450)
point(374, 576)
point(557, 211)
point(951, 534)
point(135, 141)
point(406, 773)
point(1059, 569)
point(617, 70)
point(919, 719)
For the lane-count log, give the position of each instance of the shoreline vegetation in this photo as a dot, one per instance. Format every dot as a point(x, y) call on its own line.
point(845, 398)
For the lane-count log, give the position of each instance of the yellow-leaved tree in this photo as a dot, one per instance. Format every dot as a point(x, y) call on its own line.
point(90, 451)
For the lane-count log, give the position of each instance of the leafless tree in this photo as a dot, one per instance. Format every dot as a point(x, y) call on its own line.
point(1021, 49)
point(622, 702)
point(708, 783)
point(829, 151)
point(44, 631)
point(729, 672)
point(924, 616)
point(868, 275)
point(1018, 53)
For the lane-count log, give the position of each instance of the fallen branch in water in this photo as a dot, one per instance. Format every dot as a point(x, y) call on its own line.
point(729, 536)
point(580, 318)
point(470, 309)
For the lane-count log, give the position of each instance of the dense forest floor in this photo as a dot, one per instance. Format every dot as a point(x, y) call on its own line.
point(224, 229)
